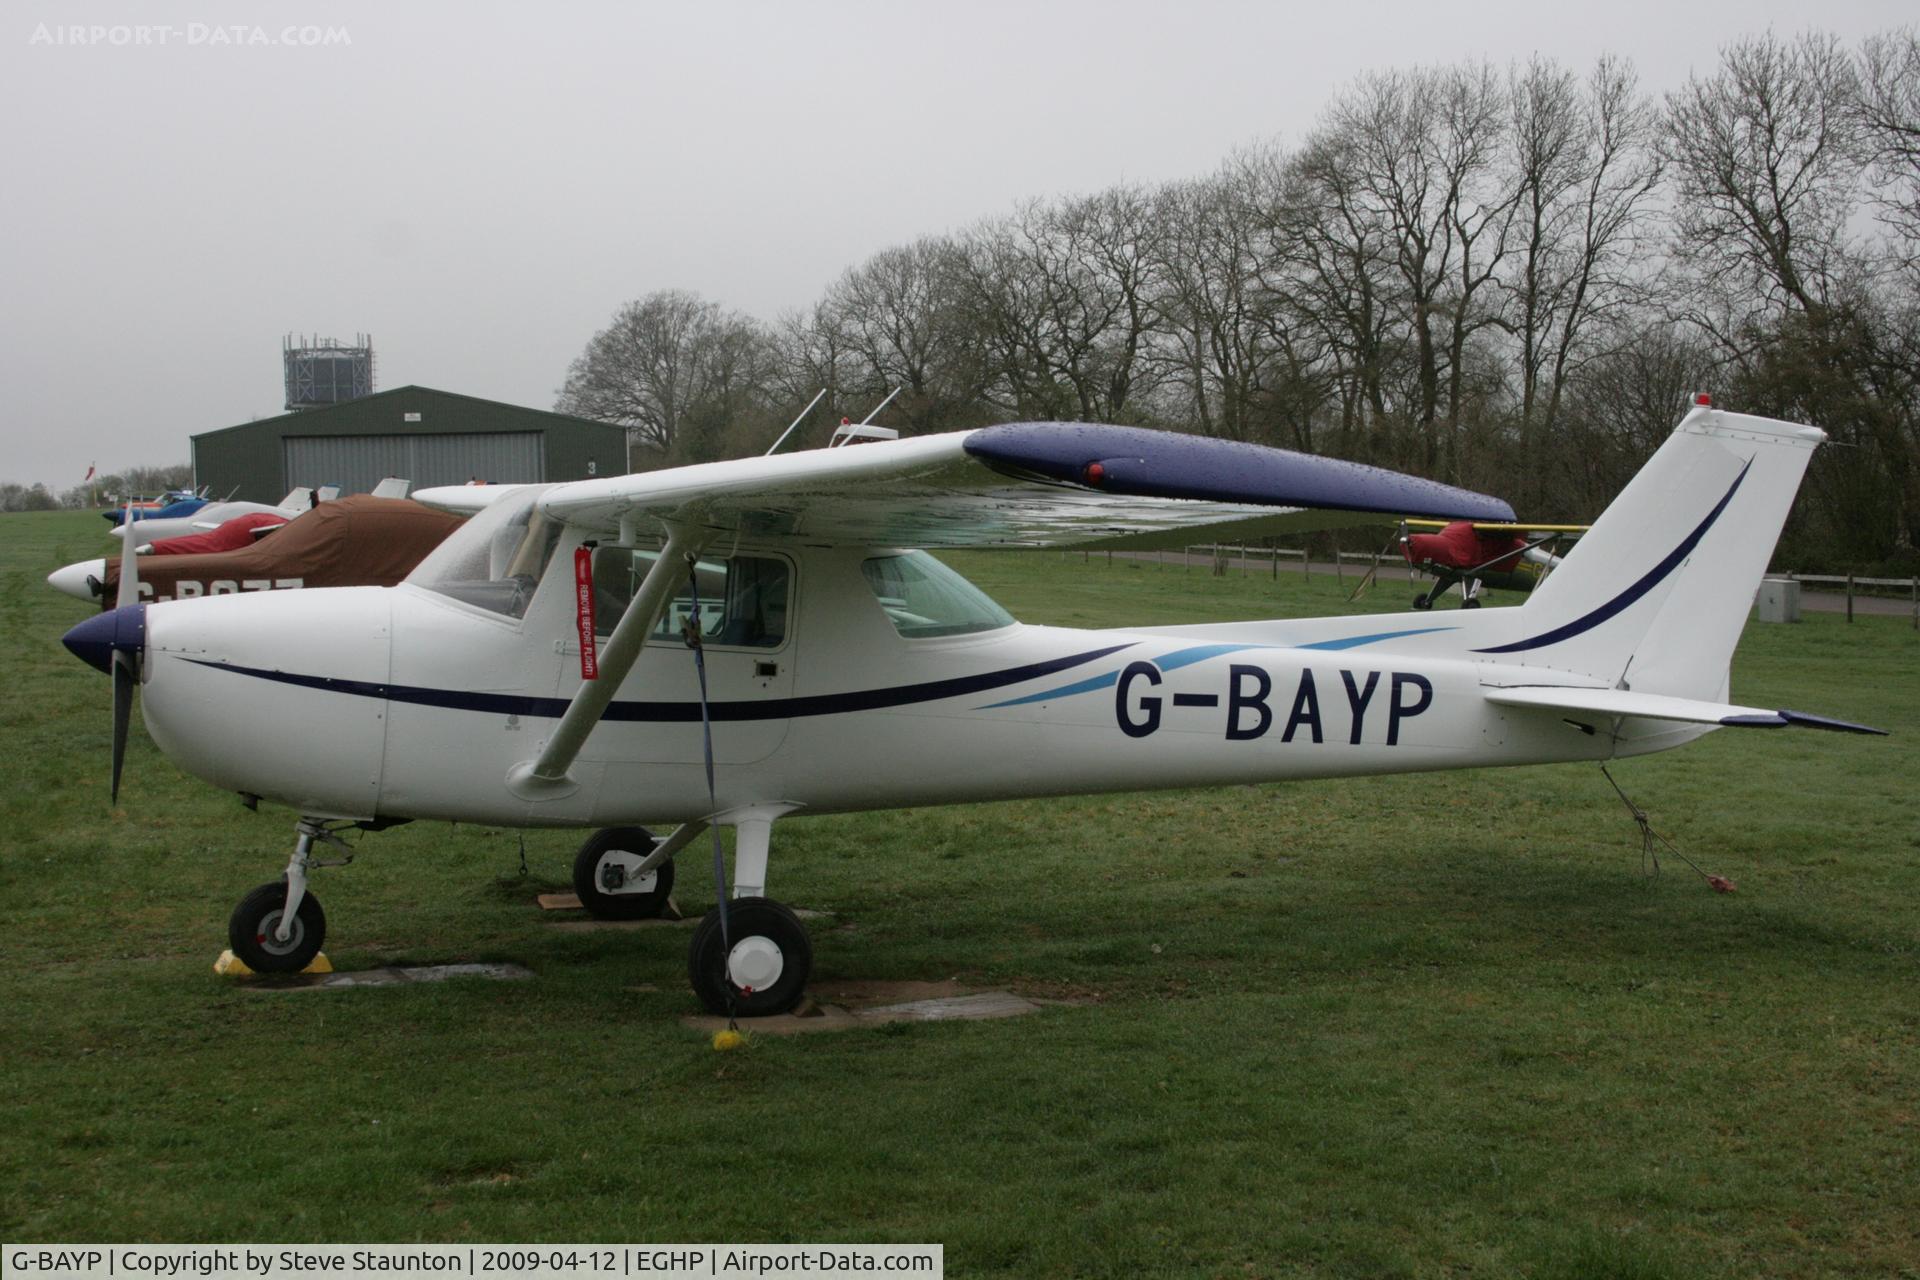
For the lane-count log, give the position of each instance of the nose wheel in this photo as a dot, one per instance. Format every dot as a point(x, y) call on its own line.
point(254, 931)
point(765, 959)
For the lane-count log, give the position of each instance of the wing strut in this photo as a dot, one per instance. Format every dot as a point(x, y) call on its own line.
point(545, 777)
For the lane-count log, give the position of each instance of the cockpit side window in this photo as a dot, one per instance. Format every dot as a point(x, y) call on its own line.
point(743, 599)
point(924, 599)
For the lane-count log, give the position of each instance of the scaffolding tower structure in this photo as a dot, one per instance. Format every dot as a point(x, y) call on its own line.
point(323, 371)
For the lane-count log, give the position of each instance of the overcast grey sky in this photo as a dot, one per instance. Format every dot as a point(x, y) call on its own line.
point(479, 185)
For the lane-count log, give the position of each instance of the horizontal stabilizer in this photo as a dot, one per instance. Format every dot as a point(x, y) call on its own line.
point(1657, 706)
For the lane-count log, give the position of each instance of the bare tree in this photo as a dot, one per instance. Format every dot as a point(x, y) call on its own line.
point(667, 363)
point(1621, 408)
point(1212, 338)
point(1063, 300)
point(1586, 168)
point(1319, 214)
point(1004, 291)
point(900, 316)
point(1416, 158)
point(1765, 158)
point(1888, 112)
point(811, 354)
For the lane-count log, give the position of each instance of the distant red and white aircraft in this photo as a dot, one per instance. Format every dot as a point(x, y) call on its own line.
point(1471, 554)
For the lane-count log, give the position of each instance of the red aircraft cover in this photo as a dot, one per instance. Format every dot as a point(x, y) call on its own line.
point(350, 542)
point(230, 535)
point(1461, 546)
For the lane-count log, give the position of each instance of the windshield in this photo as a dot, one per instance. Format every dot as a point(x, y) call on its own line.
point(496, 559)
point(923, 598)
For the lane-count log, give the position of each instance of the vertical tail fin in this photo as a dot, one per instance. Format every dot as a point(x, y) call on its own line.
point(1655, 595)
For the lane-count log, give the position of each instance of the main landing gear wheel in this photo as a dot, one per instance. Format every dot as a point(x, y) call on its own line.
point(252, 930)
point(767, 964)
point(1422, 602)
point(603, 875)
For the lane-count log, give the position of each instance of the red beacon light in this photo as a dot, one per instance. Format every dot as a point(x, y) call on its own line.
point(1702, 399)
point(1095, 474)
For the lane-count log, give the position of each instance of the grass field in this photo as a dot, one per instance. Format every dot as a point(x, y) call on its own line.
point(1427, 1026)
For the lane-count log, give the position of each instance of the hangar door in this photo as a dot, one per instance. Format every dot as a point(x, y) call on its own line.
point(358, 463)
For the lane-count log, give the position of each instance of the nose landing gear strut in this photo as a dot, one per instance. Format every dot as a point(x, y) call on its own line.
point(279, 927)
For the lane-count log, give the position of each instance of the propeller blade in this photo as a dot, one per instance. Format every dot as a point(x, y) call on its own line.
point(129, 571)
point(124, 679)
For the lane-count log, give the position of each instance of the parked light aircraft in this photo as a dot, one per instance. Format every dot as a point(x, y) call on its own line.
point(173, 508)
point(532, 671)
point(347, 542)
point(1471, 554)
point(297, 502)
point(209, 515)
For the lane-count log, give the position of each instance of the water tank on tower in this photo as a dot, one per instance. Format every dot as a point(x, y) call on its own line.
point(321, 371)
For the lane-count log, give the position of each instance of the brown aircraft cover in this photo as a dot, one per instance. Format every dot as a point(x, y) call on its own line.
point(360, 541)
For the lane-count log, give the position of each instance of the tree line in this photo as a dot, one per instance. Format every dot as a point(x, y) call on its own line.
point(134, 481)
point(1507, 278)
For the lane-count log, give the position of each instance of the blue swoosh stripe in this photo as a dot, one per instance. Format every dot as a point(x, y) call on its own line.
point(513, 704)
point(1200, 653)
point(1626, 599)
point(1354, 642)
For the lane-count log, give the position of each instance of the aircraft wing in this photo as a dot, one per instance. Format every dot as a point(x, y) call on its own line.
point(1034, 484)
point(463, 499)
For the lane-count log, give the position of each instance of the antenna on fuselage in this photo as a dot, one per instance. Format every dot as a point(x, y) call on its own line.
point(796, 422)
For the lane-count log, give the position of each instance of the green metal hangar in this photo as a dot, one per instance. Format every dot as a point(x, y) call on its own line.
point(428, 437)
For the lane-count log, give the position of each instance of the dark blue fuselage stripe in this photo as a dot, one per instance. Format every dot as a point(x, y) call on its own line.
point(1651, 579)
point(513, 704)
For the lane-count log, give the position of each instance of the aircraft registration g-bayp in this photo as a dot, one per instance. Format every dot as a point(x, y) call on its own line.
point(534, 670)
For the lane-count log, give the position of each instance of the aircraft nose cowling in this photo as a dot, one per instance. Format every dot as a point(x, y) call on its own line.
point(94, 641)
point(81, 580)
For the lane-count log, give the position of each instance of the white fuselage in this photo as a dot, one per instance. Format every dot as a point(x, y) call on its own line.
point(394, 703)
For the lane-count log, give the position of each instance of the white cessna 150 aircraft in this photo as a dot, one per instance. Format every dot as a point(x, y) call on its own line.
point(532, 672)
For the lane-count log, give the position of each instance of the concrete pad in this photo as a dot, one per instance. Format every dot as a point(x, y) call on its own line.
point(392, 976)
point(860, 993)
point(984, 1004)
point(969, 1007)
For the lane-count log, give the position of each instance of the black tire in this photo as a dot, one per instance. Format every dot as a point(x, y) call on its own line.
point(750, 919)
point(619, 906)
point(251, 928)
point(1421, 602)
point(1471, 602)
